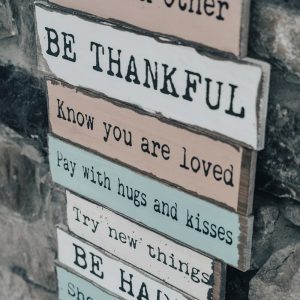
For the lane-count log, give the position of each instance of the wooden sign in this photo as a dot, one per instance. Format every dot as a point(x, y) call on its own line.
point(187, 270)
point(211, 168)
point(111, 274)
point(224, 97)
point(74, 287)
point(188, 219)
point(218, 24)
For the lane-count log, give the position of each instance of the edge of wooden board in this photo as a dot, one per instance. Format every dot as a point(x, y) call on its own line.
point(243, 30)
point(220, 288)
point(64, 229)
point(243, 233)
point(261, 99)
point(217, 271)
point(67, 269)
point(248, 161)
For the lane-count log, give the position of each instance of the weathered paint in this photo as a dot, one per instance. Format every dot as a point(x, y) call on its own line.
point(187, 270)
point(221, 96)
point(218, 24)
point(224, 234)
point(110, 273)
point(73, 287)
point(200, 164)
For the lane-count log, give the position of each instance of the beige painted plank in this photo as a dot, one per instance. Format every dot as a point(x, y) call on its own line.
point(217, 24)
point(208, 167)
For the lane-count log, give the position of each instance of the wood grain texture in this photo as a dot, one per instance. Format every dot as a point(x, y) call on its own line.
point(210, 168)
point(221, 26)
point(187, 270)
point(189, 220)
point(225, 97)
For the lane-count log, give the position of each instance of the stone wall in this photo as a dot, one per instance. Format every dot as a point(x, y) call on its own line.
point(31, 205)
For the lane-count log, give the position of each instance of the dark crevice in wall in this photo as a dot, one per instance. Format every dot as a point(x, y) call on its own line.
point(23, 104)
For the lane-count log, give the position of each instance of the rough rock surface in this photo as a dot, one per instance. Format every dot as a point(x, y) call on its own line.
point(279, 278)
point(273, 230)
point(7, 26)
point(276, 25)
point(20, 49)
point(30, 207)
point(275, 37)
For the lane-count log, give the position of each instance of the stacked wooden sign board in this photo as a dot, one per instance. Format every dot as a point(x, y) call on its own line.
point(156, 117)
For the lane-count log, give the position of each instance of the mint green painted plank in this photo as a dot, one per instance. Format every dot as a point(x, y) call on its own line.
point(71, 286)
point(216, 231)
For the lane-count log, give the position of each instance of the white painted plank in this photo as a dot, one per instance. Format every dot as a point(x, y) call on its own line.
point(218, 95)
point(187, 270)
point(109, 273)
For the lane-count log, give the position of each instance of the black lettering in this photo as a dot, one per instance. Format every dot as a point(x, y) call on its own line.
point(189, 220)
point(208, 102)
point(182, 6)
point(143, 293)
point(117, 62)
point(154, 76)
point(111, 232)
point(98, 46)
point(209, 7)
point(206, 228)
point(213, 232)
point(184, 164)
point(169, 3)
point(168, 78)
point(80, 254)
point(71, 289)
point(151, 251)
point(96, 261)
point(78, 211)
point(61, 114)
point(228, 176)
point(194, 274)
point(132, 71)
point(52, 38)
point(128, 282)
point(206, 278)
point(221, 233)
point(230, 111)
point(80, 295)
point(217, 171)
point(222, 5)
point(191, 85)
point(186, 265)
point(68, 40)
point(229, 238)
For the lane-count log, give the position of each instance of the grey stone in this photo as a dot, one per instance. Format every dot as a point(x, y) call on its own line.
point(31, 205)
point(22, 173)
point(13, 286)
point(292, 213)
point(7, 24)
point(278, 167)
point(20, 50)
point(272, 231)
point(279, 278)
point(23, 104)
point(275, 37)
point(276, 28)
